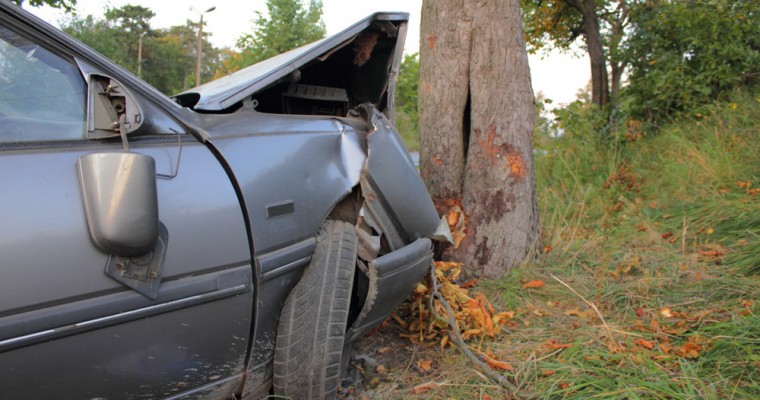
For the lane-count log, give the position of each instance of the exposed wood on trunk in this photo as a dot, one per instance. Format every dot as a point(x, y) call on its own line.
point(478, 51)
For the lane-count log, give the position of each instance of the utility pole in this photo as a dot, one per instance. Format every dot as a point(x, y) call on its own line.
point(200, 40)
point(139, 55)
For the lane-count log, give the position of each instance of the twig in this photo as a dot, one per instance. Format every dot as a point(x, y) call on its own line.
point(456, 336)
point(590, 304)
point(683, 237)
point(733, 393)
point(548, 355)
point(625, 333)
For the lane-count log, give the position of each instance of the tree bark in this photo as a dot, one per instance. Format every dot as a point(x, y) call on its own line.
point(476, 125)
point(443, 94)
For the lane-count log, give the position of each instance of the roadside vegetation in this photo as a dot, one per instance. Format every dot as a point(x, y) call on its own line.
point(646, 286)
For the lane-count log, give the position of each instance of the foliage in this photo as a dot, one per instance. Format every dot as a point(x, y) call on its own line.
point(129, 18)
point(67, 5)
point(648, 279)
point(287, 25)
point(558, 23)
point(407, 115)
point(550, 23)
point(684, 54)
point(168, 55)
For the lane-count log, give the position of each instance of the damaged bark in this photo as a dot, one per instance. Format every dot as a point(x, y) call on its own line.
point(478, 165)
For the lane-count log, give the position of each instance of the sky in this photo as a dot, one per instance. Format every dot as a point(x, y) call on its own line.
point(558, 76)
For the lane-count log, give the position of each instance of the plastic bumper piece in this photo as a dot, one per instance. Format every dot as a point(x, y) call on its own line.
point(392, 278)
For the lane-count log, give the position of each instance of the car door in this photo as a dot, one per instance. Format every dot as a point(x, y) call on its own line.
point(67, 329)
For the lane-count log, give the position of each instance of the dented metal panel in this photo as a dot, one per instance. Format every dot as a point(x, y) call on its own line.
point(397, 183)
point(391, 278)
point(311, 162)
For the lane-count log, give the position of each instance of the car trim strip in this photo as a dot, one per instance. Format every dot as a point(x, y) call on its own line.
point(114, 319)
point(285, 268)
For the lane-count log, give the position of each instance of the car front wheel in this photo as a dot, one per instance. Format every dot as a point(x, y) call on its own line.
point(312, 326)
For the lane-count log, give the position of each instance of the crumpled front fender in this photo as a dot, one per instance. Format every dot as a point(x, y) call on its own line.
point(393, 189)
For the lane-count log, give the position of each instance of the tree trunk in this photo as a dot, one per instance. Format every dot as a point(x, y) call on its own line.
point(600, 87)
point(476, 124)
point(443, 97)
point(600, 94)
point(617, 75)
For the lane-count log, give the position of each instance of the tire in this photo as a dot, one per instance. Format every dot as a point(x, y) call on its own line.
point(312, 327)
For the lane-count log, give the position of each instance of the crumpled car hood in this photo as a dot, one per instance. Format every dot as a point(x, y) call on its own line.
point(231, 89)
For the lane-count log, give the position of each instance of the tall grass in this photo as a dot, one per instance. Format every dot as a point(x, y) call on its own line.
point(662, 235)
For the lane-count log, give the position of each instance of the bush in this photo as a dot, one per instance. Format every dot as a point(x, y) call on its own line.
point(684, 54)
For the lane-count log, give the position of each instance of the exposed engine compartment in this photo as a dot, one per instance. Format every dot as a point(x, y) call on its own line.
point(355, 71)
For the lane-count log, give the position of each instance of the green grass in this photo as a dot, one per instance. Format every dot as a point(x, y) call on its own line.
point(660, 236)
point(660, 226)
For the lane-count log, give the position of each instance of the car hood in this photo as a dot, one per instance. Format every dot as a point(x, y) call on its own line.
point(225, 92)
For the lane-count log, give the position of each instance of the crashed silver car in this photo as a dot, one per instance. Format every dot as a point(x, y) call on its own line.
point(235, 240)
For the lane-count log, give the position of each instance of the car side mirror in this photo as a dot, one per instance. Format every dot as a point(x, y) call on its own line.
point(120, 201)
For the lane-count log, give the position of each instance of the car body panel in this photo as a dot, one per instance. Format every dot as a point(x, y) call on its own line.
point(392, 172)
point(150, 357)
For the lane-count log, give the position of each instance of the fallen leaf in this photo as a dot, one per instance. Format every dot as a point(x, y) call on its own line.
point(667, 235)
point(380, 369)
point(399, 320)
point(564, 385)
point(533, 284)
point(647, 344)
point(425, 365)
point(447, 265)
point(578, 313)
point(470, 333)
point(665, 347)
point(420, 389)
point(502, 317)
point(374, 381)
point(692, 348)
point(491, 360)
point(554, 345)
point(639, 312)
point(421, 288)
point(472, 282)
point(444, 342)
point(548, 372)
point(383, 350)
point(748, 303)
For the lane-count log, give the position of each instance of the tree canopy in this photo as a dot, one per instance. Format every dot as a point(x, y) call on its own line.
point(67, 5)
point(675, 54)
point(168, 55)
point(288, 24)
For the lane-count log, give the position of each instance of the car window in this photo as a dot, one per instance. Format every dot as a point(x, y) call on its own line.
point(42, 95)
